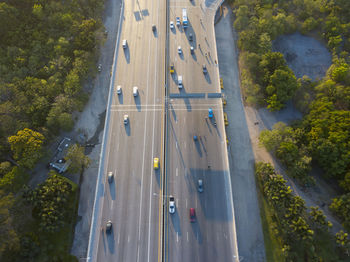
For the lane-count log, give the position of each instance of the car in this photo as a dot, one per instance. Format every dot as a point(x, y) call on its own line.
point(171, 25)
point(179, 82)
point(126, 119)
point(192, 50)
point(204, 69)
point(109, 226)
point(135, 91)
point(156, 163)
point(195, 138)
point(225, 119)
point(125, 44)
point(192, 215)
point(172, 68)
point(110, 177)
point(200, 185)
point(190, 37)
point(119, 90)
point(154, 28)
point(210, 113)
point(179, 50)
point(171, 205)
point(99, 68)
point(178, 23)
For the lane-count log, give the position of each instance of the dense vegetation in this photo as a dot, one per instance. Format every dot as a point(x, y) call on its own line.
point(47, 50)
point(323, 135)
point(301, 234)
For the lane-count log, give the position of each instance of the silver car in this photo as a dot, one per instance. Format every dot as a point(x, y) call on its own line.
point(171, 205)
point(200, 185)
point(110, 177)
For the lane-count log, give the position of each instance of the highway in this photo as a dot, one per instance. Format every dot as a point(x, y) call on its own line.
point(212, 237)
point(164, 119)
point(132, 202)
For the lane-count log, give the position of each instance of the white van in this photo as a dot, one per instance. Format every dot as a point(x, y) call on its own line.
point(124, 43)
point(179, 82)
point(135, 91)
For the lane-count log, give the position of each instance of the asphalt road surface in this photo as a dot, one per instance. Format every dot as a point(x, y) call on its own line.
point(212, 237)
point(136, 202)
point(132, 201)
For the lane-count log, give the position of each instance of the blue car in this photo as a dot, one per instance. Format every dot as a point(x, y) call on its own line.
point(178, 23)
point(210, 113)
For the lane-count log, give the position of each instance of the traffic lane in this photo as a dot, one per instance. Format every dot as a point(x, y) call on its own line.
point(194, 174)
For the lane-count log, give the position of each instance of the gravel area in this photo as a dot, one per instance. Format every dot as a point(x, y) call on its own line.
point(305, 55)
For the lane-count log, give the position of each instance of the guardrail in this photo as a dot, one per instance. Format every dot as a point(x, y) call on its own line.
point(90, 256)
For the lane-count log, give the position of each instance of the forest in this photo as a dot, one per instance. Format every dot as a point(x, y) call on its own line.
point(322, 137)
point(48, 49)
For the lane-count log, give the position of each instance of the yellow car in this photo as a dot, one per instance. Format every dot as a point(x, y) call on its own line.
point(172, 69)
point(225, 119)
point(156, 163)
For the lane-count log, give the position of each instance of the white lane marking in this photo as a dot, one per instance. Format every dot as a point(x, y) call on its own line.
point(196, 203)
point(177, 236)
point(186, 202)
point(128, 238)
point(144, 151)
point(118, 239)
point(177, 173)
point(187, 235)
point(176, 144)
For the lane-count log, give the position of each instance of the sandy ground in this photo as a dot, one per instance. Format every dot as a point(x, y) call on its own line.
point(90, 123)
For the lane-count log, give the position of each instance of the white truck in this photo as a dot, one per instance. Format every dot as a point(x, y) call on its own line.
point(184, 18)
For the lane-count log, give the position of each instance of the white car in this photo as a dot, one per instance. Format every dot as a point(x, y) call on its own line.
point(171, 25)
point(179, 50)
point(126, 119)
point(135, 91)
point(110, 177)
point(99, 68)
point(119, 90)
point(171, 205)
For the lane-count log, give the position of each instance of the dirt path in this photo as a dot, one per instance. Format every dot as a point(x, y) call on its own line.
point(91, 123)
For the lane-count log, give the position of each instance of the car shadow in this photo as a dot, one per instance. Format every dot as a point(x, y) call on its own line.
point(175, 220)
point(207, 77)
point(197, 230)
point(181, 55)
point(128, 128)
point(120, 98)
point(173, 112)
point(194, 56)
point(138, 102)
point(110, 239)
point(198, 147)
point(112, 188)
point(127, 54)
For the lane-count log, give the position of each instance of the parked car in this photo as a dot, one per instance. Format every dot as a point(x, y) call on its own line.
point(154, 28)
point(135, 91)
point(190, 37)
point(99, 68)
point(179, 50)
point(171, 25)
point(125, 44)
point(178, 22)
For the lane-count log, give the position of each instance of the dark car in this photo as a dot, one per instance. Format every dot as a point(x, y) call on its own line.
point(154, 28)
point(192, 215)
point(190, 37)
point(109, 226)
point(204, 69)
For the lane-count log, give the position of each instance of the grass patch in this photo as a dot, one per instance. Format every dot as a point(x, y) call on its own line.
point(273, 247)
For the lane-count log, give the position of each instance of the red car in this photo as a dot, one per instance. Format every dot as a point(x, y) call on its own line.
point(192, 215)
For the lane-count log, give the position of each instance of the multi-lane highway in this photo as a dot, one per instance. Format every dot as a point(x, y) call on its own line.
point(162, 123)
point(212, 236)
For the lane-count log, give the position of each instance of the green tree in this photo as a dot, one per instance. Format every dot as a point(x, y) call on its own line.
point(341, 207)
point(26, 146)
point(77, 158)
point(318, 219)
